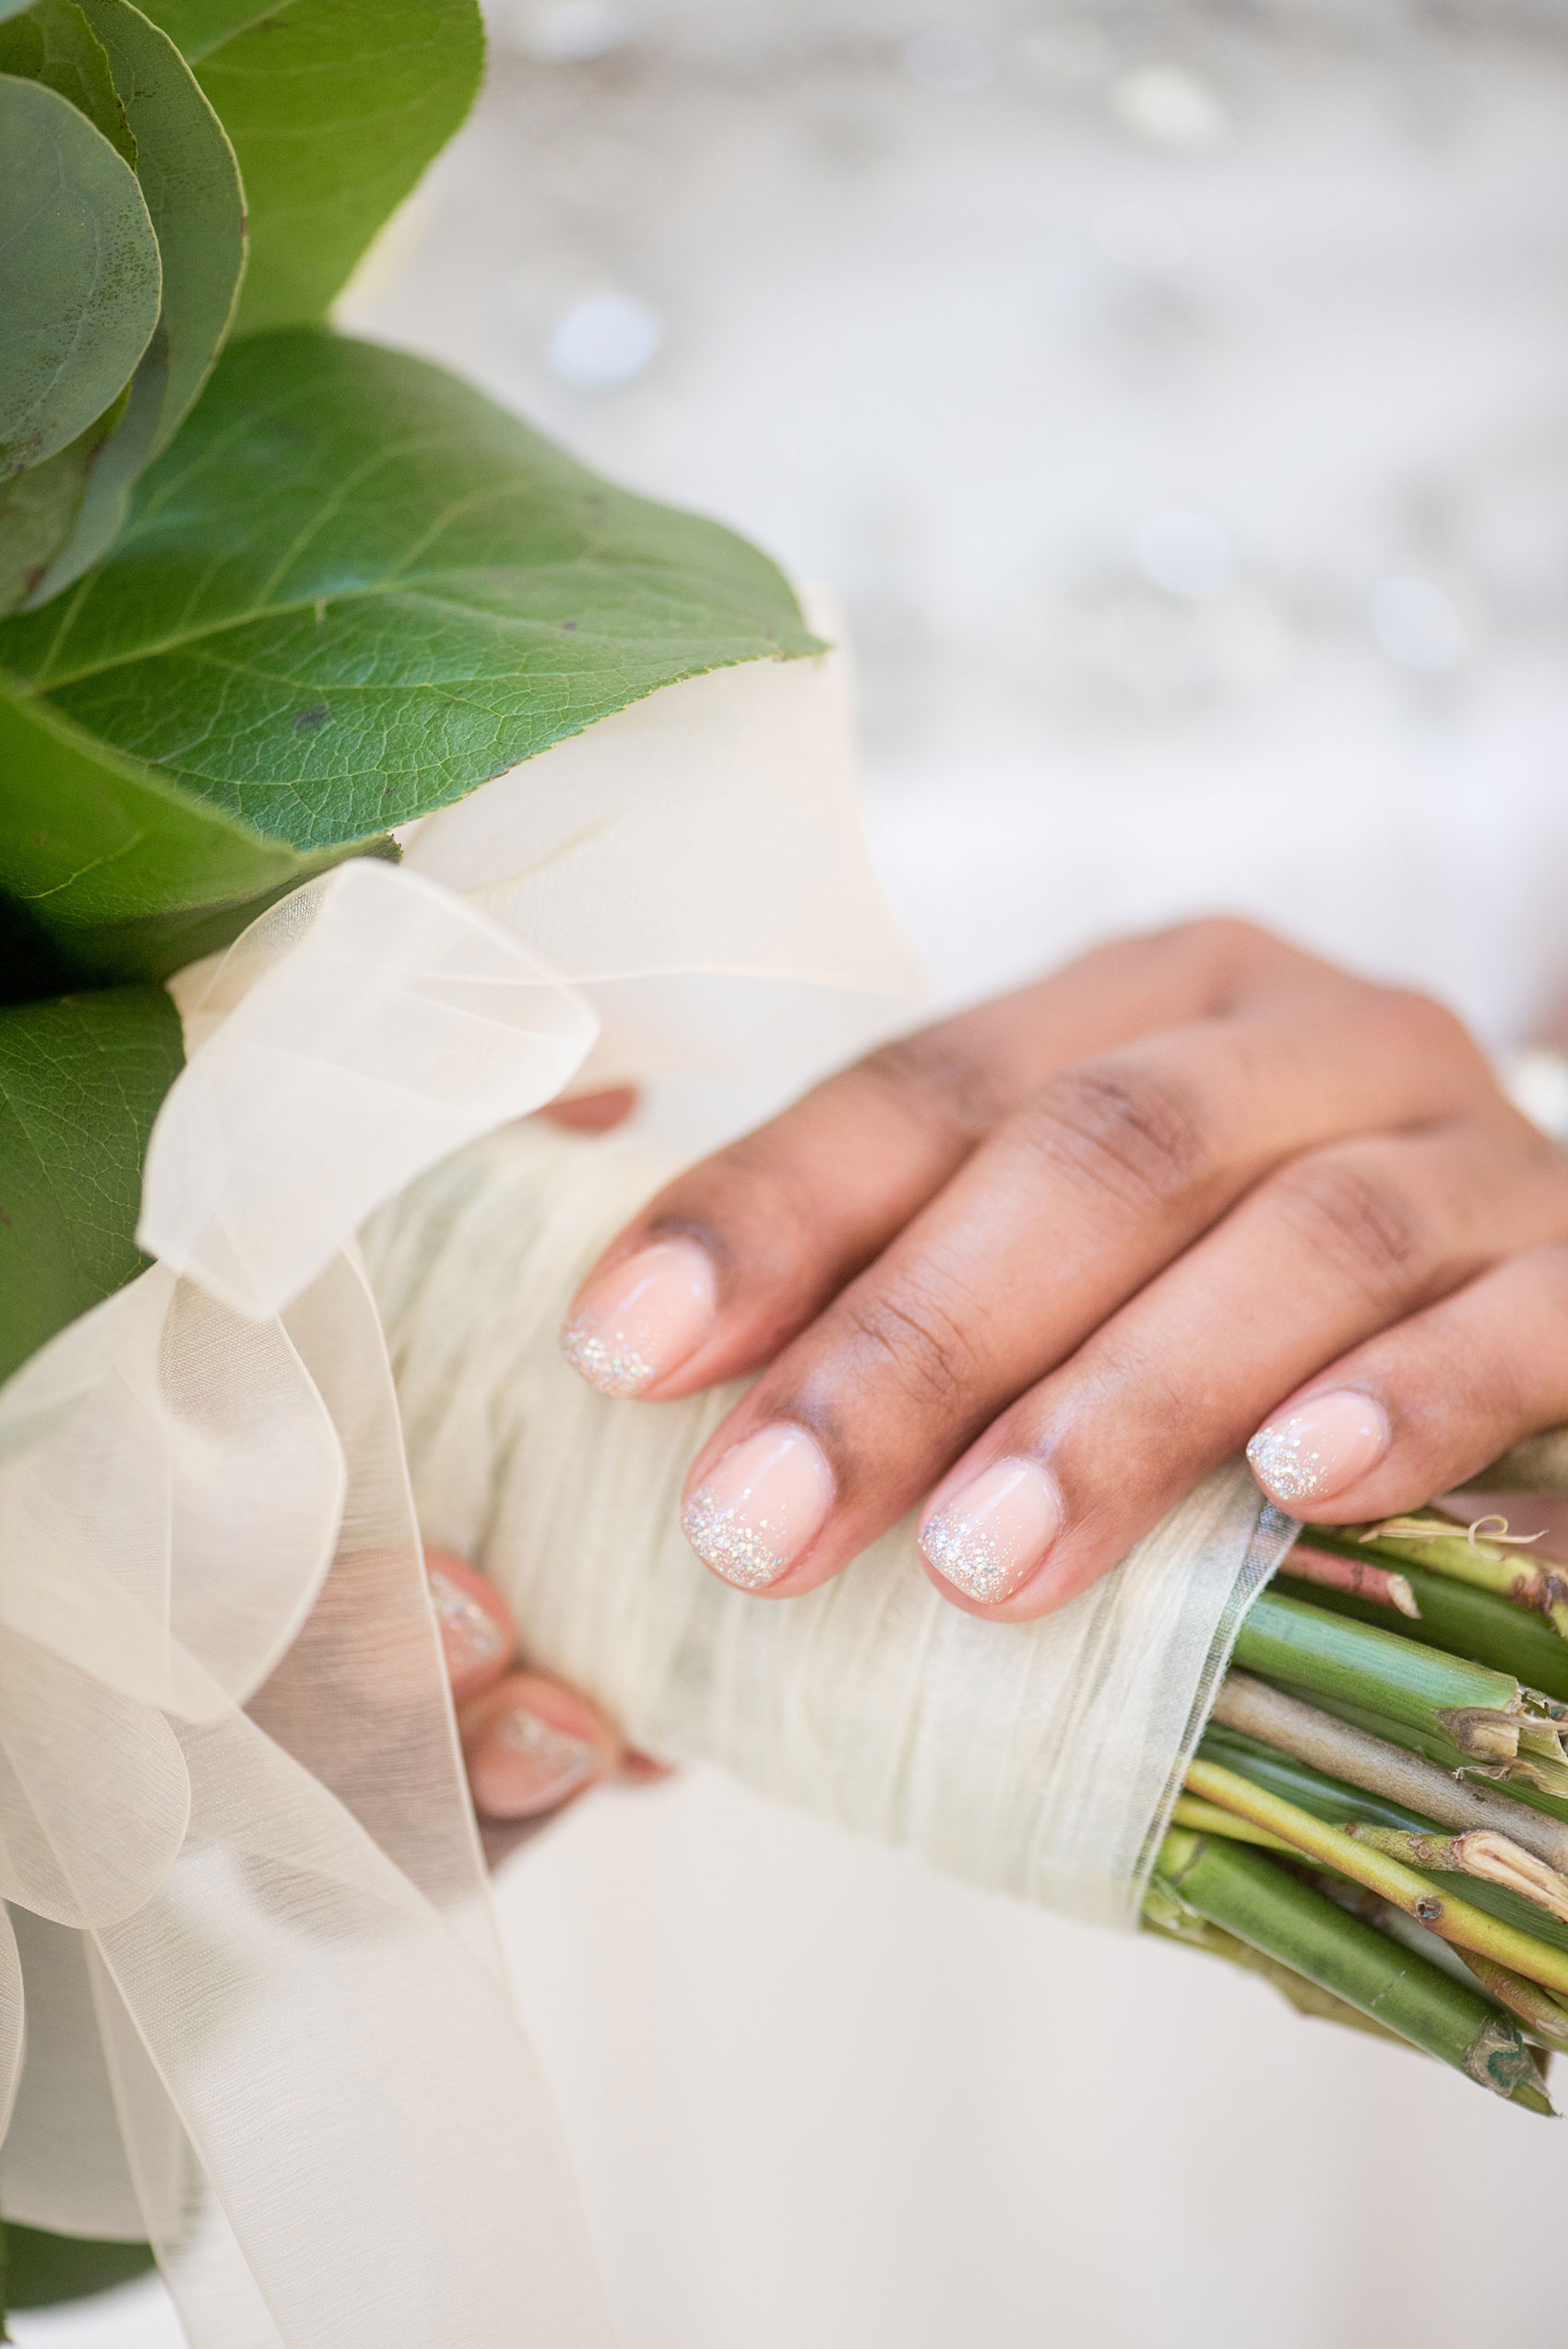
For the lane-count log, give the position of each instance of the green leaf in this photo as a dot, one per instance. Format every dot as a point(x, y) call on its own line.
point(55, 44)
point(353, 590)
point(46, 2269)
point(124, 875)
point(198, 26)
point(39, 508)
point(80, 1081)
point(191, 183)
point(335, 108)
point(79, 273)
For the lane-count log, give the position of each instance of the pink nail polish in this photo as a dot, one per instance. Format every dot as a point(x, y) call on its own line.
point(523, 1765)
point(469, 1638)
point(991, 1535)
point(639, 1321)
point(1321, 1449)
point(760, 1506)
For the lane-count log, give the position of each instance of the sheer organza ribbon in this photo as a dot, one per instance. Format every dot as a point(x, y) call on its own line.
point(267, 2016)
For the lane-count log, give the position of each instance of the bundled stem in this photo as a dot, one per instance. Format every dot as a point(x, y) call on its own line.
point(1359, 1578)
point(1352, 1754)
point(1441, 1913)
point(1247, 1895)
point(1462, 1621)
point(1477, 1852)
point(1436, 1543)
point(1446, 1703)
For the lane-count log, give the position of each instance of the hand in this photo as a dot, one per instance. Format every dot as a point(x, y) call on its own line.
point(1062, 1255)
point(531, 1746)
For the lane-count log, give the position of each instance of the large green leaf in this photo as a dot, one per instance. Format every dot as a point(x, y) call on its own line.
point(335, 108)
point(353, 590)
point(80, 1081)
point(80, 275)
point(191, 183)
point(124, 873)
point(55, 44)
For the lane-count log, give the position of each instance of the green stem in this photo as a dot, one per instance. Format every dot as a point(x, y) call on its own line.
point(1401, 1679)
point(1248, 1895)
point(1167, 1917)
point(1444, 1913)
point(1461, 1621)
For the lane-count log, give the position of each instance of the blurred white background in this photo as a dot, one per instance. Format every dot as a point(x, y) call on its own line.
point(1175, 398)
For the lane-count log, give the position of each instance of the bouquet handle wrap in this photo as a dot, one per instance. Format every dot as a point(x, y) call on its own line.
point(1037, 1759)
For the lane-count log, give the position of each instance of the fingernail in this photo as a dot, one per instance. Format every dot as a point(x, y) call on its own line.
point(470, 1639)
point(760, 1506)
point(641, 1320)
point(990, 1536)
point(522, 1765)
point(1322, 1448)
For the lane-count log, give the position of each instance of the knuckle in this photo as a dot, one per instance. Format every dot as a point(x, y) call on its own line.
point(1122, 1128)
point(1358, 1218)
point(921, 1343)
point(1228, 950)
point(747, 1206)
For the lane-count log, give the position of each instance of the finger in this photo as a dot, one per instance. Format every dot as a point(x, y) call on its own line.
point(1105, 1175)
point(1446, 1392)
point(477, 1636)
point(593, 1113)
point(1336, 1248)
point(532, 1745)
point(734, 1257)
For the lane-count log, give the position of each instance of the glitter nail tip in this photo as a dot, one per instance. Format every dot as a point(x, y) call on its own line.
point(1321, 1450)
point(762, 1503)
point(641, 1320)
point(613, 1364)
point(743, 1554)
point(471, 1636)
point(993, 1533)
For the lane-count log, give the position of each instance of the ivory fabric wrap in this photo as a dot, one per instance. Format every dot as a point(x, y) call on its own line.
point(1037, 1759)
point(266, 2016)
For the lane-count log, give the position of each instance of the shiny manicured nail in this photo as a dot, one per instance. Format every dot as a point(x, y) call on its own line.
point(641, 1320)
point(471, 1639)
point(989, 1536)
point(1320, 1448)
point(760, 1506)
point(523, 1765)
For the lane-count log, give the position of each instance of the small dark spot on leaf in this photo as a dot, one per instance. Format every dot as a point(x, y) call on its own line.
point(307, 721)
point(5, 1219)
point(569, 627)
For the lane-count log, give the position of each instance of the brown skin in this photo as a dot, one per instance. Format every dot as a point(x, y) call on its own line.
point(1119, 1221)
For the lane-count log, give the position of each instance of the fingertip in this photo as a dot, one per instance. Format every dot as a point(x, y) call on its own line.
point(593, 1113)
point(531, 1746)
point(476, 1635)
